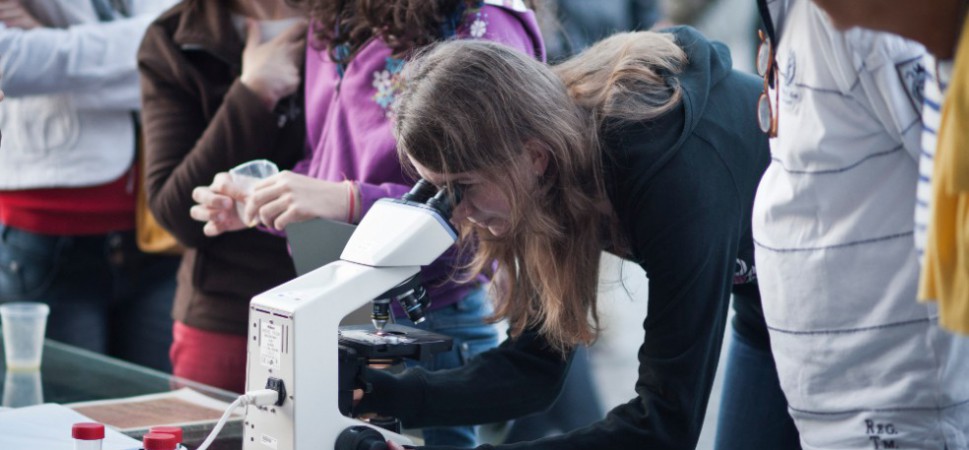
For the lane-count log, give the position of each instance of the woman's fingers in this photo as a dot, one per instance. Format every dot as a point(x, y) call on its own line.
point(225, 185)
point(269, 212)
point(206, 197)
point(201, 213)
point(216, 205)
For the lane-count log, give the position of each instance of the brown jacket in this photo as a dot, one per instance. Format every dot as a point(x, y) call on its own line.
point(199, 120)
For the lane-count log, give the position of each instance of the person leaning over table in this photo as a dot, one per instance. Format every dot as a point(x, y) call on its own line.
point(645, 145)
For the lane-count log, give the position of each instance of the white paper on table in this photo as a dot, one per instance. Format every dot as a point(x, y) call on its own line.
point(48, 427)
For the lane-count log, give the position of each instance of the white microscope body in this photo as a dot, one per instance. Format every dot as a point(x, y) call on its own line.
point(293, 328)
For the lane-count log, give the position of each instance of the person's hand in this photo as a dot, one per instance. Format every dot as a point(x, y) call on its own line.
point(272, 69)
point(288, 197)
point(216, 205)
point(357, 396)
point(14, 15)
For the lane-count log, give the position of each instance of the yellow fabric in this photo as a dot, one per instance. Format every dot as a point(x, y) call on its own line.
point(149, 235)
point(945, 275)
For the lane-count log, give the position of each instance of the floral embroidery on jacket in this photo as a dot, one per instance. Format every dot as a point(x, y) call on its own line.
point(387, 83)
point(479, 27)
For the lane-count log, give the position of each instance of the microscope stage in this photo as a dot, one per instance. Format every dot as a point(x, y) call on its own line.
point(396, 341)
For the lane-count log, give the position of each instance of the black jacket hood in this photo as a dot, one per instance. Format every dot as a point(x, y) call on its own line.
point(708, 63)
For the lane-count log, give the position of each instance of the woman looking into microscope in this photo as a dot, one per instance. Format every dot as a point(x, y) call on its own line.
point(646, 146)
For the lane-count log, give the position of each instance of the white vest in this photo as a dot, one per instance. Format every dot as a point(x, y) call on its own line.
point(70, 91)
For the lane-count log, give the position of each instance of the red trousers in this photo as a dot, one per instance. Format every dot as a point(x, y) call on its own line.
point(215, 359)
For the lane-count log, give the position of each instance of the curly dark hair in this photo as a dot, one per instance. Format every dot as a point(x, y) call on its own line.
point(344, 26)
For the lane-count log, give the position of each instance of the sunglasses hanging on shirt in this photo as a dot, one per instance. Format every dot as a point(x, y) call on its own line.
point(767, 68)
point(766, 113)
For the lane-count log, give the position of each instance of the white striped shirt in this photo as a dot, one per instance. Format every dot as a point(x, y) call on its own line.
point(937, 80)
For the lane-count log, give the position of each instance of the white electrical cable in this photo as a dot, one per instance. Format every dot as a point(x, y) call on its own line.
point(262, 397)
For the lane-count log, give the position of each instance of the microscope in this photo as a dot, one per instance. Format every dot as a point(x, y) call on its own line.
point(297, 347)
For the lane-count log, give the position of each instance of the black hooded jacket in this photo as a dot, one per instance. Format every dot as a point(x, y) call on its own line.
point(683, 187)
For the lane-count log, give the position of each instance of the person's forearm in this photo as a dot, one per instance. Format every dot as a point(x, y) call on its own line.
point(519, 377)
point(89, 59)
point(176, 166)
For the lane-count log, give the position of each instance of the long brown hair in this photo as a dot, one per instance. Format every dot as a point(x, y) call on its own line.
point(403, 24)
point(474, 106)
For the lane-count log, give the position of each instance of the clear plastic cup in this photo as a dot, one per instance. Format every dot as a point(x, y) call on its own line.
point(247, 175)
point(23, 325)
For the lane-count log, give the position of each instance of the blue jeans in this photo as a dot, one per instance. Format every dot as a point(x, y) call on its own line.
point(464, 322)
point(753, 410)
point(578, 405)
point(104, 294)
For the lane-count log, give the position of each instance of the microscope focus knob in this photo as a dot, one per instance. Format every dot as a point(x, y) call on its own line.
point(360, 438)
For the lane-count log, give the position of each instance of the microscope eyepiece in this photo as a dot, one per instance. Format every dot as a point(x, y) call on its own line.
point(445, 200)
point(421, 192)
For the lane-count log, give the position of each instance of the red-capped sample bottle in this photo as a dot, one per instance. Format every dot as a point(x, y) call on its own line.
point(174, 431)
point(158, 441)
point(87, 435)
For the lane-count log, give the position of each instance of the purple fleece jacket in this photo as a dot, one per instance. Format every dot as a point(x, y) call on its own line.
point(349, 126)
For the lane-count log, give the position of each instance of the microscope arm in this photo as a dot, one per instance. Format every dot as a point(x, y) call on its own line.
point(520, 377)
